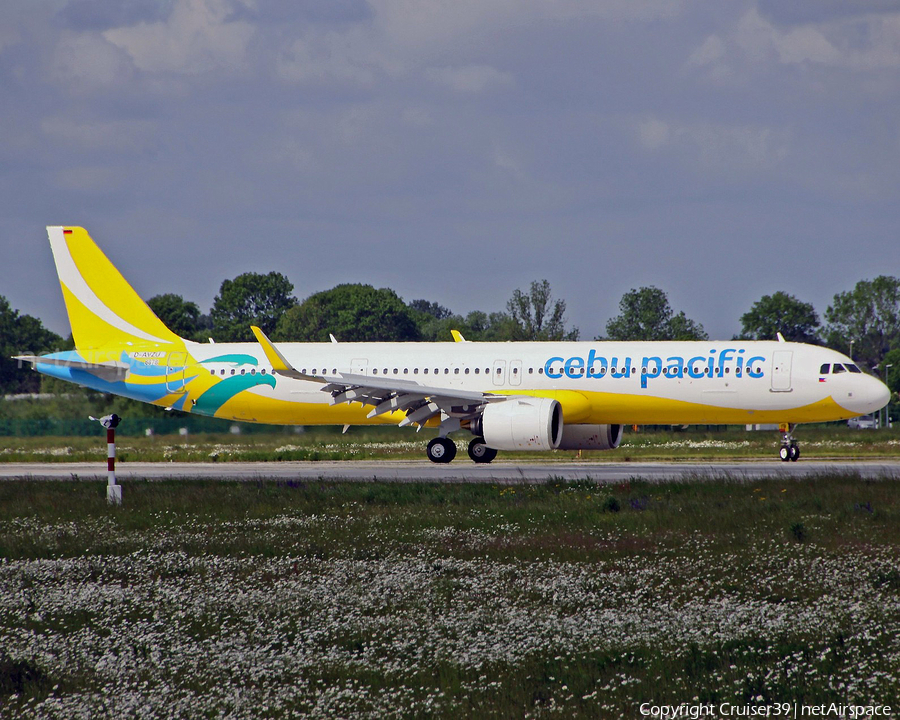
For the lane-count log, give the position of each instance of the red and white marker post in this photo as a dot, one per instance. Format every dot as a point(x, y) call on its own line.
point(113, 490)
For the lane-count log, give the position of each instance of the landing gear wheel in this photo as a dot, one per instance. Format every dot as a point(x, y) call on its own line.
point(789, 450)
point(441, 450)
point(479, 452)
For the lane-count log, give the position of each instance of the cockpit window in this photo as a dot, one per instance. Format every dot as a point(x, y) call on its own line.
point(824, 369)
point(853, 368)
point(838, 368)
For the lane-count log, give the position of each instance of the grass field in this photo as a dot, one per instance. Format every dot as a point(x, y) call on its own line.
point(404, 601)
point(832, 441)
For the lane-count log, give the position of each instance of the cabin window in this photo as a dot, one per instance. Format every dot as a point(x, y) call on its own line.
point(263, 371)
point(477, 370)
point(499, 371)
point(334, 371)
point(530, 371)
point(515, 371)
point(824, 369)
point(540, 371)
point(396, 371)
point(253, 371)
point(425, 370)
point(243, 371)
point(374, 371)
point(385, 372)
point(467, 371)
point(446, 371)
point(456, 371)
point(415, 371)
point(223, 371)
point(406, 371)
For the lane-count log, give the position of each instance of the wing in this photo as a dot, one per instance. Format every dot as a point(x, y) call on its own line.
point(420, 402)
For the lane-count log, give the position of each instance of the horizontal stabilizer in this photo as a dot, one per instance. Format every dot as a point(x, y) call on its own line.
point(111, 371)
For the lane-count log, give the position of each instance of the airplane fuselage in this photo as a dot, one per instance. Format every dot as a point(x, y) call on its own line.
point(595, 382)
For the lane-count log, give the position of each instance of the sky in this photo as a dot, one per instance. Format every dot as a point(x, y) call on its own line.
point(455, 150)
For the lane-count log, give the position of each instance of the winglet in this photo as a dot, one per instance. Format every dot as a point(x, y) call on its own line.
point(278, 362)
point(275, 358)
point(457, 336)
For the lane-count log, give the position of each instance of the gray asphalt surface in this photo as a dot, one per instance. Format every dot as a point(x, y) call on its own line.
point(460, 471)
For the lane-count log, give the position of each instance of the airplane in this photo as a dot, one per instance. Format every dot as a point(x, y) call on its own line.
point(512, 396)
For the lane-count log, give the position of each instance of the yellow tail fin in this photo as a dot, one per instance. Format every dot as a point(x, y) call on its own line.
point(103, 308)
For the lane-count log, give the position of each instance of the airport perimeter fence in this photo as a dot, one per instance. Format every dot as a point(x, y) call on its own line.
point(134, 426)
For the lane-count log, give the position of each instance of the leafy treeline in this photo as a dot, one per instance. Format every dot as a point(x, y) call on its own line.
point(868, 317)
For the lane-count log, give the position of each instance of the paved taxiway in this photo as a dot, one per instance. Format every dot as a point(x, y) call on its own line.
point(424, 471)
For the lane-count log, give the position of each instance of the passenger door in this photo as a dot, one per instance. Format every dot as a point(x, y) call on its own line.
point(781, 370)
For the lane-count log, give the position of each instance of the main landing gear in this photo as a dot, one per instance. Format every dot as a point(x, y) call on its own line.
point(443, 450)
point(789, 450)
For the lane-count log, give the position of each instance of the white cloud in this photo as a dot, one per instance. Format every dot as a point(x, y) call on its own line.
point(653, 133)
point(120, 135)
point(332, 57)
point(89, 60)
point(737, 147)
point(712, 50)
point(469, 78)
point(718, 145)
point(861, 43)
point(197, 37)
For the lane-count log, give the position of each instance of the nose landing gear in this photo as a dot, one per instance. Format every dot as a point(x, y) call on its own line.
point(789, 450)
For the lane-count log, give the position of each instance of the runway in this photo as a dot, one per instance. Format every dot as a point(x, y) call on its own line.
point(459, 472)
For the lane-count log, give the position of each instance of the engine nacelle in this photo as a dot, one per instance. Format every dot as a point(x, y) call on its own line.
point(591, 437)
point(521, 424)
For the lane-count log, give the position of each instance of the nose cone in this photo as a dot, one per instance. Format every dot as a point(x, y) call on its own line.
point(867, 395)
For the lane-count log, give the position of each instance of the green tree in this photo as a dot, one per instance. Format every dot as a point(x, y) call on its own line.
point(434, 321)
point(352, 313)
point(432, 309)
point(250, 299)
point(779, 312)
point(537, 316)
point(21, 335)
point(645, 314)
point(869, 315)
point(179, 315)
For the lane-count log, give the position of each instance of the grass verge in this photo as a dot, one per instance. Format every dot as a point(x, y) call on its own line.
point(394, 600)
point(830, 441)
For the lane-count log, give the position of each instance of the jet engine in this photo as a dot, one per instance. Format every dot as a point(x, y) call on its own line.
point(591, 437)
point(521, 424)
